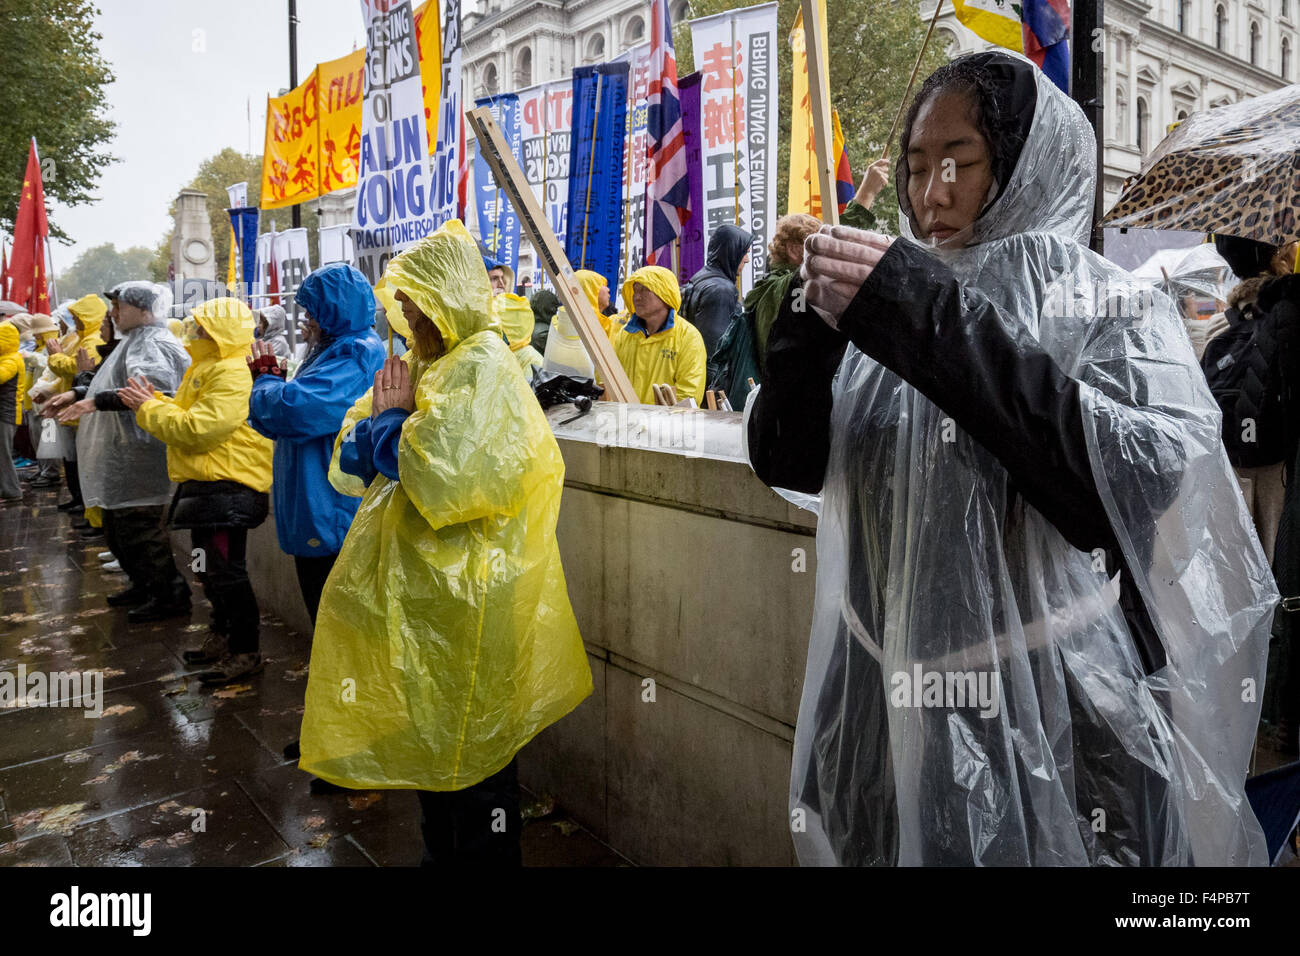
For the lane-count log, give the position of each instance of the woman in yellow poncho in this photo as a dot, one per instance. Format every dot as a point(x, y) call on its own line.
point(445, 640)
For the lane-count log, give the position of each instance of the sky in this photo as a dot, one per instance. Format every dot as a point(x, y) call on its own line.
point(186, 71)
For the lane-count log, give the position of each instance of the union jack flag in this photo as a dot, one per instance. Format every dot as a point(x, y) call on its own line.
point(667, 190)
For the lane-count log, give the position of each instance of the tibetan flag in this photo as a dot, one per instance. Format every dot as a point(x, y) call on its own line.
point(667, 189)
point(1040, 29)
point(844, 189)
point(1046, 38)
point(27, 285)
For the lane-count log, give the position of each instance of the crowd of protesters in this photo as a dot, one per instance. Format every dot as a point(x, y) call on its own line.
point(997, 484)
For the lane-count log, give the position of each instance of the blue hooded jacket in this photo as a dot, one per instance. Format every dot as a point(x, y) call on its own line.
point(304, 415)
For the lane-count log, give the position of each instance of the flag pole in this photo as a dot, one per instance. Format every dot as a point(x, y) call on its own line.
point(591, 168)
point(819, 98)
point(938, 7)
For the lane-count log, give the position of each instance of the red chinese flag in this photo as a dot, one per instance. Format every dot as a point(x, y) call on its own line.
point(27, 285)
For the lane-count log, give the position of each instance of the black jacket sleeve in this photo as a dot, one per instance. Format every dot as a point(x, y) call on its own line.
point(914, 317)
point(109, 402)
point(945, 339)
point(789, 427)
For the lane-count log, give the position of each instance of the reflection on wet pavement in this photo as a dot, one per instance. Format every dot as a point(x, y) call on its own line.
point(162, 771)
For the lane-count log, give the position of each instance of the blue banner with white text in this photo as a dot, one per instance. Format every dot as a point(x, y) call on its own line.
point(595, 224)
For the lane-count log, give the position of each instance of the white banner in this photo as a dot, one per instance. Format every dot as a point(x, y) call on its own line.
point(735, 53)
point(238, 195)
point(634, 162)
point(335, 244)
point(289, 253)
point(446, 160)
point(545, 129)
point(394, 205)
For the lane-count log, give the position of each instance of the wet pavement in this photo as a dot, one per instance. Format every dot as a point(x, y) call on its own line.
point(170, 773)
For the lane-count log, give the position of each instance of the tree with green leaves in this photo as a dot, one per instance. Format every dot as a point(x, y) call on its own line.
point(101, 267)
point(216, 173)
point(54, 81)
point(873, 47)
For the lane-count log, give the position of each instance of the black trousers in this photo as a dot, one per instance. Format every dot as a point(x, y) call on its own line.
point(143, 547)
point(312, 572)
point(73, 478)
point(477, 826)
point(225, 584)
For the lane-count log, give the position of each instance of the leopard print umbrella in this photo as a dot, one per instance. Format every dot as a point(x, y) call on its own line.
point(1234, 170)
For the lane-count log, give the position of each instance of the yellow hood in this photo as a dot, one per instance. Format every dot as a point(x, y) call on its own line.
point(230, 324)
point(515, 316)
point(443, 275)
point(177, 328)
point(592, 283)
point(659, 281)
point(8, 338)
point(89, 311)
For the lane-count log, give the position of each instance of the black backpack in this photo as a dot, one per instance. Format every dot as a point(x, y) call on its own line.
point(1244, 370)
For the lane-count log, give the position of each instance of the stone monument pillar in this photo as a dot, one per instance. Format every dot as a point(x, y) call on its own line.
point(192, 237)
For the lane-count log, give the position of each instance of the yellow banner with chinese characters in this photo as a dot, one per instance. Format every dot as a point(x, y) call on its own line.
point(313, 132)
point(805, 193)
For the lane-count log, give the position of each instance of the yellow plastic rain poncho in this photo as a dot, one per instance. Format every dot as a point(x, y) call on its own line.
point(89, 312)
point(674, 355)
point(204, 427)
point(592, 283)
point(445, 640)
point(515, 317)
point(13, 371)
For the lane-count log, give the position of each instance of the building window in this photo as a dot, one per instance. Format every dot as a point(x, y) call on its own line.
point(1220, 27)
point(596, 48)
point(635, 32)
point(1254, 44)
point(491, 84)
point(680, 11)
point(1121, 117)
point(1286, 59)
point(1144, 122)
point(524, 68)
point(1182, 15)
point(1182, 115)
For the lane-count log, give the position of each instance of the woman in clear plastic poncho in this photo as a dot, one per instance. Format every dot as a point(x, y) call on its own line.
point(447, 607)
point(1042, 614)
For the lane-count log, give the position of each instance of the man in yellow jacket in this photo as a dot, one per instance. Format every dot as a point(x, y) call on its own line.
point(222, 468)
point(656, 345)
point(12, 378)
point(445, 640)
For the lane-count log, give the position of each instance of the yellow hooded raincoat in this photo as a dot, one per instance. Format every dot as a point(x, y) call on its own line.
point(445, 640)
point(516, 318)
point(89, 311)
point(13, 370)
point(675, 356)
point(591, 284)
point(204, 427)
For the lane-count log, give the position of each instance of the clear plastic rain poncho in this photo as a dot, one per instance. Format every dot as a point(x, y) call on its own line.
point(122, 465)
point(1082, 757)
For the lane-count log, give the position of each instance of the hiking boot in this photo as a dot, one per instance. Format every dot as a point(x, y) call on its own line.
point(89, 531)
point(320, 788)
point(80, 522)
point(133, 596)
point(112, 567)
point(292, 751)
point(105, 556)
point(231, 668)
point(214, 647)
point(159, 610)
point(70, 505)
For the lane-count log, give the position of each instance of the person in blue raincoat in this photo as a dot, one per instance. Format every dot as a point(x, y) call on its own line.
point(304, 415)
